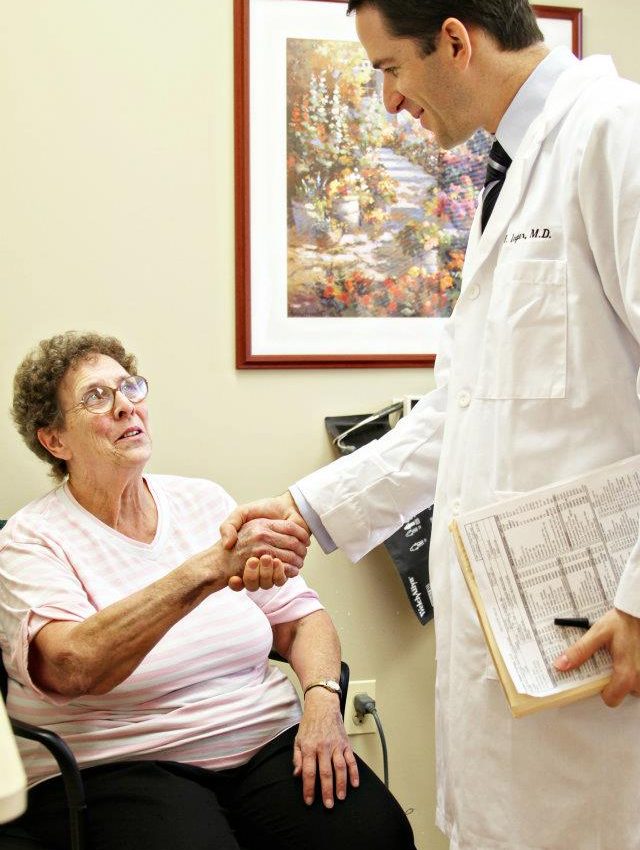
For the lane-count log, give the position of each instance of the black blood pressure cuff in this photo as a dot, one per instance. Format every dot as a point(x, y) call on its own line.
point(409, 546)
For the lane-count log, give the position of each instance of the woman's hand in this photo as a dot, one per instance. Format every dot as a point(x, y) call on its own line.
point(322, 749)
point(263, 572)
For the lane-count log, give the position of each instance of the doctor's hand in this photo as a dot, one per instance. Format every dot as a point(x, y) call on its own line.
point(322, 749)
point(620, 634)
point(279, 507)
point(270, 550)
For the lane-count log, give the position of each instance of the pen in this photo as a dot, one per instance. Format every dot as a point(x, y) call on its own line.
point(578, 622)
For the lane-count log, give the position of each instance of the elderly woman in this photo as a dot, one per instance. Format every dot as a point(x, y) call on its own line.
point(120, 632)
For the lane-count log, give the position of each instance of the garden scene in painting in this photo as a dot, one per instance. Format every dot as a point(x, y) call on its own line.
point(378, 215)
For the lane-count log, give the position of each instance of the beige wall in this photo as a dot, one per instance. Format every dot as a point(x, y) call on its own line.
point(116, 213)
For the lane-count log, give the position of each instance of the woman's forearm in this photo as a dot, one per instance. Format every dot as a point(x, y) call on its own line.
point(94, 656)
point(311, 646)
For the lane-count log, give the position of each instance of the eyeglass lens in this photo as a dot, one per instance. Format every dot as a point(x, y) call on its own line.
point(100, 399)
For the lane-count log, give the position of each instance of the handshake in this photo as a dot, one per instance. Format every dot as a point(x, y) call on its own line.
point(269, 539)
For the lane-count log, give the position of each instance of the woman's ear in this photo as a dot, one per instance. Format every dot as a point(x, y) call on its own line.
point(49, 437)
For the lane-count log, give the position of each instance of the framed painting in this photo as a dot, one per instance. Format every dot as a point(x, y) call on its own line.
point(351, 224)
point(561, 25)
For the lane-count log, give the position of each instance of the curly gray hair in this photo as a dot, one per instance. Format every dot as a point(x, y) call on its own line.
point(36, 383)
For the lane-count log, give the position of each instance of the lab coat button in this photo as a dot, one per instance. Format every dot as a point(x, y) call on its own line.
point(473, 291)
point(455, 507)
point(464, 398)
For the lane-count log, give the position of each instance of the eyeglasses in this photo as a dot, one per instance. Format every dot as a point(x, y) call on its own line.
point(102, 399)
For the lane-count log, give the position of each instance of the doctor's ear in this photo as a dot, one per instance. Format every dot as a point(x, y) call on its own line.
point(455, 39)
point(49, 437)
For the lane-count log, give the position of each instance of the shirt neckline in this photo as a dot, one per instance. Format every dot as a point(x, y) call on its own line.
point(531, 97)
point(87, 518)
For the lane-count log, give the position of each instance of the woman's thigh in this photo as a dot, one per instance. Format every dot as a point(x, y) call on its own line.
point(271, 814)
point(135, 806)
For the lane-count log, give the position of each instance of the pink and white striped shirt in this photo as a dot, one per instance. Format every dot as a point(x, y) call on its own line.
point(205, 694)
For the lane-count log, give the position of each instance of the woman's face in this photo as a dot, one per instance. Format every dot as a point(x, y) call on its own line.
point(97, 444)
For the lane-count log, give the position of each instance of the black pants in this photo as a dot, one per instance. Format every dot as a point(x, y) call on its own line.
point(156, 805)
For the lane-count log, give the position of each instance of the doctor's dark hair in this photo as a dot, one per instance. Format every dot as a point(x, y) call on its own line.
point(512, 23)
point(38, 377)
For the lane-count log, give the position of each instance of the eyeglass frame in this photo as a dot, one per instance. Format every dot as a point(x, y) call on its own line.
point(113, 390)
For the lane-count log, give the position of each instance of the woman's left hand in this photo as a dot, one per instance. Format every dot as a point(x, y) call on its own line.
point(322, 749)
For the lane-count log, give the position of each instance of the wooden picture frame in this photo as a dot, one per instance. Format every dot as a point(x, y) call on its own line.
point(561, 25)
point(335, 268)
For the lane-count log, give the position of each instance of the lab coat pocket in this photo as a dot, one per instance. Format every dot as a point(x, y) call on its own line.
point(524, 352)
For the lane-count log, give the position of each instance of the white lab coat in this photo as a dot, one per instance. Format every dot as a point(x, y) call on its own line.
point(536, 382)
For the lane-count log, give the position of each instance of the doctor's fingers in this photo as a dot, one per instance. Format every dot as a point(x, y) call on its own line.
point(277, 538)
point(625, 652)
point(624, 681)
point(243, 513)
point(277, 507)
point(582, 650)
point(294, 526)
point(283, 546)
point(620, 634)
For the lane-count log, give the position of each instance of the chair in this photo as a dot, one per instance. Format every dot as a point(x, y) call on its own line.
point(15, 838)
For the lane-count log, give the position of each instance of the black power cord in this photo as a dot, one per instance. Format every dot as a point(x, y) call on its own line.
point(363, 705)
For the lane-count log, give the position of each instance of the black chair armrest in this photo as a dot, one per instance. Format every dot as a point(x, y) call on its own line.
point(70, 771)
point(344, 686)
point(343, 681)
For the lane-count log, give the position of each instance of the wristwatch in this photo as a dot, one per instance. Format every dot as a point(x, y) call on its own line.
point(329, 684)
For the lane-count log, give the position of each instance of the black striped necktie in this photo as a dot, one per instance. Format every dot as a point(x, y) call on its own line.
point(497, 167)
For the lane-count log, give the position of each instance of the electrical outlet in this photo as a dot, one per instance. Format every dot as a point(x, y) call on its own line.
point(352, 724)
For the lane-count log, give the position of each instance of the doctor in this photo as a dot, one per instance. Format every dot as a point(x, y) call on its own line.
point(535, 382)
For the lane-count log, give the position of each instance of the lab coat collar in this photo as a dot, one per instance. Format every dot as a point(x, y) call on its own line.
point(563, 95)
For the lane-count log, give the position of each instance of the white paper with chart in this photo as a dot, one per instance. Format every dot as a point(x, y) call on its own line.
point(554, 552)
